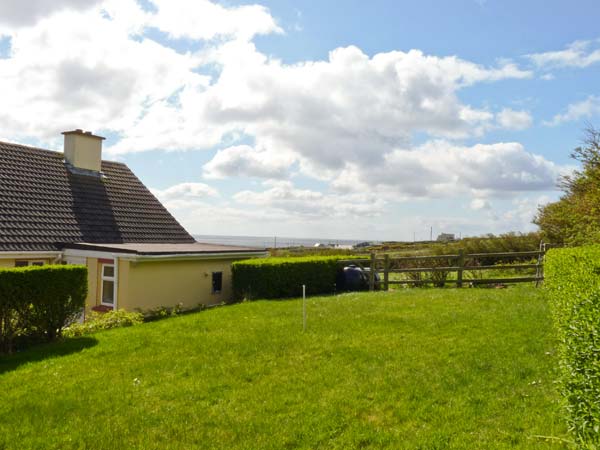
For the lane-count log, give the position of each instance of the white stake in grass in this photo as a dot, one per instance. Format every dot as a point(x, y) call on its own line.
point(303, 307)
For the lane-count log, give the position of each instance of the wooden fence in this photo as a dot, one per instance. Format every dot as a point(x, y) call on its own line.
point(384, 265)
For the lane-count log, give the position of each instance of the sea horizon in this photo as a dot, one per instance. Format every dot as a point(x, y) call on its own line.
point(274, 241)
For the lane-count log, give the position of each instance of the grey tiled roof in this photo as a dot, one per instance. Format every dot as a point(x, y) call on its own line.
point(43, 205)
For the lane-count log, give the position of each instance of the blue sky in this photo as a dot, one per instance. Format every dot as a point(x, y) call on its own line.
point(366, 120)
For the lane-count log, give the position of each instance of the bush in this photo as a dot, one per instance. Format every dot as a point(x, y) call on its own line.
point(284, 277)
point(104, 321)
point(162, 312)
point(572, 277)
point(38, 302)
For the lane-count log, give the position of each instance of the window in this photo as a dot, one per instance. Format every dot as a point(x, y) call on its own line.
point(25, 263)
point(217, 282)
point(108, 285)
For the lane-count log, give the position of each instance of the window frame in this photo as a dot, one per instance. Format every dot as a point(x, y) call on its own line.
point(29, 262)
point(212, 284)
point(104, 278)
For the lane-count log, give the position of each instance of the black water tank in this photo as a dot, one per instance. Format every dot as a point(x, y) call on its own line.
point(353, 278)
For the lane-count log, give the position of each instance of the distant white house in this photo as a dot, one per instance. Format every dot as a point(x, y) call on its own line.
point(446, 237)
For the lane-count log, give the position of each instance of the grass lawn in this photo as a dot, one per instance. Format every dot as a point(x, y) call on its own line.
point(411, 369)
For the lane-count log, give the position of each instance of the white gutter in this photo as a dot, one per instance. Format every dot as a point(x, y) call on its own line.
point(192, 256)
point(93, 253)
point(30, 255)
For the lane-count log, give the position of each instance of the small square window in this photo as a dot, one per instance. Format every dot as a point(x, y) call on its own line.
point(217, 282)
point(21, 263)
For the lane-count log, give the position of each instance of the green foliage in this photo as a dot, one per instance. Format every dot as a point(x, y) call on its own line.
point(38, 302)
point(507, 242)
point(572, 277)
point(575, 218)
point(284, 277)
point(162, 312)
point(103, 321)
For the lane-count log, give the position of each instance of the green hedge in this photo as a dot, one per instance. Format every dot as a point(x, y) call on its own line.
point(572, 277)
point(37, 302)
point(284, 277)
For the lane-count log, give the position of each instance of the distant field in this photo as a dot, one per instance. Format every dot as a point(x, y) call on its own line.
point(411, 369)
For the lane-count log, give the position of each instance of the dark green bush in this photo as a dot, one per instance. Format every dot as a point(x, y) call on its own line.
point(284, 277)
point(37, 302)
point(572, 277)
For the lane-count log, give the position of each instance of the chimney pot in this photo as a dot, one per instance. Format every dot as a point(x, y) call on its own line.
point(83, 150)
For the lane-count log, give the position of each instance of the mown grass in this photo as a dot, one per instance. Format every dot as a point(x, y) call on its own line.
point(411, 369)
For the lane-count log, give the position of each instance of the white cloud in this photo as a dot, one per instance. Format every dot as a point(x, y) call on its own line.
point(578, 54)
point(351, 108)
point(584, 109)
point(441, 169)
point(185, 194)
point(18, 13)
point(243, 160)
point(524, 210)
point(202, 19)
point(61, 76)
point(283, 196)
point(479, 204)
point(348, 120)
point(514, 120)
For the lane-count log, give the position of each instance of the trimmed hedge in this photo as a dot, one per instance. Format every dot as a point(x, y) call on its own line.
point(284, 277)
point(572, 278)
point(36, 302)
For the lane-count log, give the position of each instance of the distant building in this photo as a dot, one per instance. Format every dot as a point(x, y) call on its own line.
point(446, 237)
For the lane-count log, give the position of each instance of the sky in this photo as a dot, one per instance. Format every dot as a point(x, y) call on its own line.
point(333, 119)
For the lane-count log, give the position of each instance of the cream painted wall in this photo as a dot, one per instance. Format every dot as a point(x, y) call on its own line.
point(93, 272)
point(7, 263)
point(83, 151)
point(168, 283)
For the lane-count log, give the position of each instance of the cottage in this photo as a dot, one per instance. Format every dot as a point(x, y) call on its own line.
point(74, 208)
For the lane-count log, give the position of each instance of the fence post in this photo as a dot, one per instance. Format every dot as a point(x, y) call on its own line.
point(386, 272)
point(539, 269)
point(460, 262)
point(372, 273)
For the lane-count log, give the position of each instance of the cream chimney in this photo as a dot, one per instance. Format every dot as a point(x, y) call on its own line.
point(83, 150)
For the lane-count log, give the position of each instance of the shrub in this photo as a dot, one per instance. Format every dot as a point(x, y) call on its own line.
point(572, 277)
point(38, 302)
point(162, 312)
point(284, 277)
point(104, 321)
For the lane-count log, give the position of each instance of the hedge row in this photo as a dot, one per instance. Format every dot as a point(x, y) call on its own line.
point(37, 302)
point(572, 277)
point(284, 277)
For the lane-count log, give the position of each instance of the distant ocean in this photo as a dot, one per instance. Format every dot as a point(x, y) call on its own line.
point(265, 241)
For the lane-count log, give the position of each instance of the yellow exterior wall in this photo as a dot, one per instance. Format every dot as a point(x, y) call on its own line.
point(153, 284)
point(7, 263)
point(93, 274)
